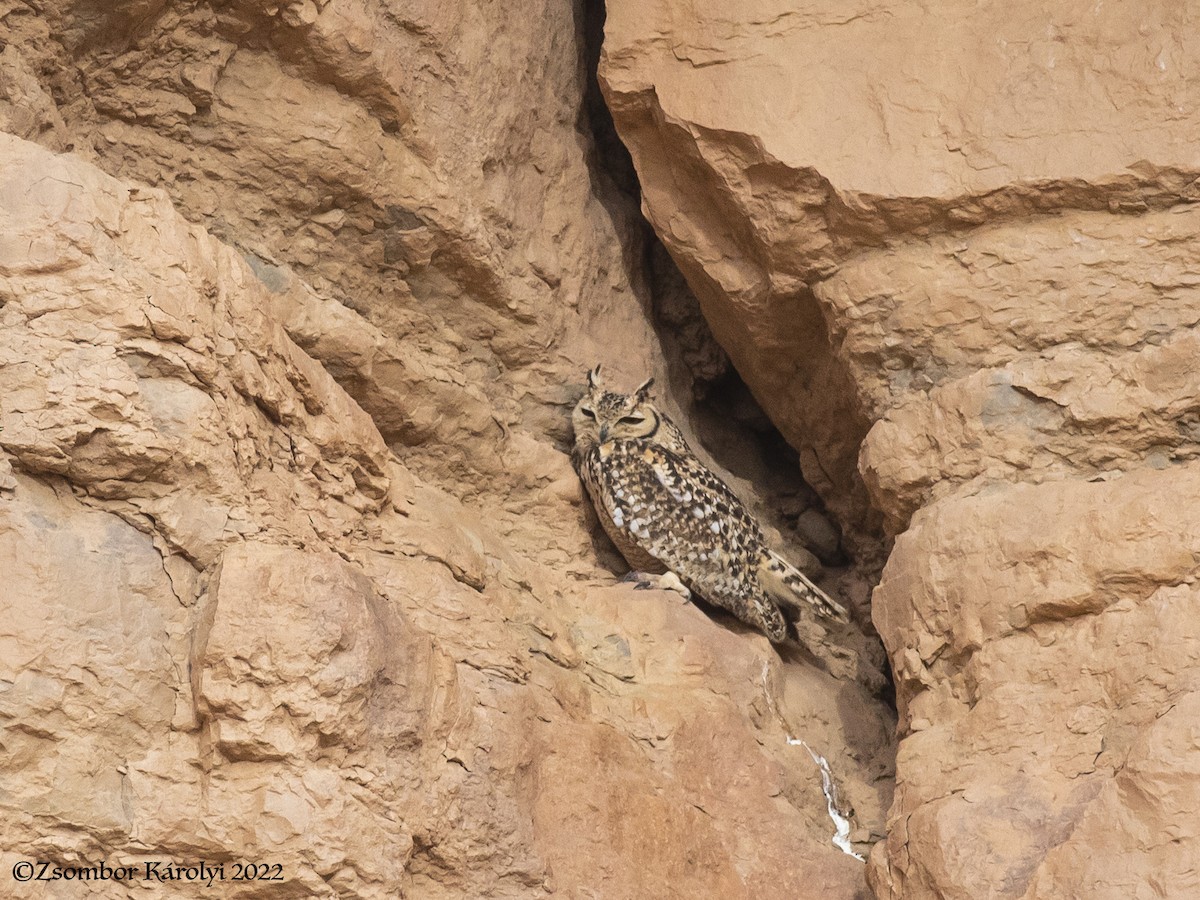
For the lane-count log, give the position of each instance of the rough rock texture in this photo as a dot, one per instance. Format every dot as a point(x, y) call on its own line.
point(293, 302)
point(951, 248)
point(1047, 650)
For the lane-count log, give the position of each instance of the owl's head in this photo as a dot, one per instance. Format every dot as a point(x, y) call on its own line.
point(601, 415)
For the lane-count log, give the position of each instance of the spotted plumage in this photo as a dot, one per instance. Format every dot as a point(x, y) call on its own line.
point(667, 513)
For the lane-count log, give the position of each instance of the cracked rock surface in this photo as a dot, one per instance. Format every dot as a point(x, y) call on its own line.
point(951, 249)
point(294, 302)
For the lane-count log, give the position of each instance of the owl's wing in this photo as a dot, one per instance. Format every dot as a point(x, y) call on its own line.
point(680, 513)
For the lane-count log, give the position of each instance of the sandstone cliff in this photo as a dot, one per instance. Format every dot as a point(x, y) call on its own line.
point(952, 248)
point(294, 300)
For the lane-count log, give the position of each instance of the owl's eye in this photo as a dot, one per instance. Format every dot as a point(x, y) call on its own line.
point(587, 412)
point(632, 420)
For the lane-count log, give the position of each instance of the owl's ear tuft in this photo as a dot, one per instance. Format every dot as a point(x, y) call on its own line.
point(594, 376)
point(643, 392)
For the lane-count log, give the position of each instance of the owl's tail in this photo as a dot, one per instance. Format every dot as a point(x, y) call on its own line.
point(791, 589)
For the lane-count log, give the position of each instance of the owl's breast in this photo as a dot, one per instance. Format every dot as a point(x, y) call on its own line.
point(612, 498)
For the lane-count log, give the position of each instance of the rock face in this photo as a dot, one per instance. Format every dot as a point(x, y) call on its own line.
point(952, 251)
point(294, 300)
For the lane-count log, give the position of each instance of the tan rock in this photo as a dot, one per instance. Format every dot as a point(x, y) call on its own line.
point(284, 653)
point(951, 251)
point(467, 234)
point(1049, 678)
point(1086, 375)
point(764, 177)
point(243, 628)
point(26, 109)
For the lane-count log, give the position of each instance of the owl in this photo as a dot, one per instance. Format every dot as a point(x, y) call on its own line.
point(677, 522)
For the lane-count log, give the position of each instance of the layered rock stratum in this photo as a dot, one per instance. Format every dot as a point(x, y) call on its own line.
point(952, 248)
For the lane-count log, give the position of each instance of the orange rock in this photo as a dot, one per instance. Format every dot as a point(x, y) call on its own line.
point(293, 565)
point(951, 251)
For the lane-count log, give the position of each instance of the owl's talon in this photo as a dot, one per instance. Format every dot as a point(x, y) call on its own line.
point(641, 581)
point(644, 581)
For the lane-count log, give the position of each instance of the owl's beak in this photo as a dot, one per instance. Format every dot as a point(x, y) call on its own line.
point(603, 433)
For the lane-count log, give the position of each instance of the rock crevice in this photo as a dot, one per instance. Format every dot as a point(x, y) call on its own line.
point(950, 253)
point(293, 303)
